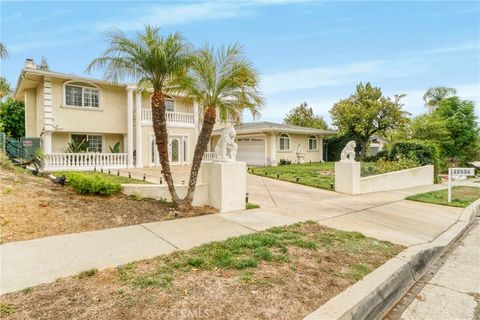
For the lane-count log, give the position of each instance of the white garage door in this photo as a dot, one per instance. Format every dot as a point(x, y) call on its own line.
point(251, 151)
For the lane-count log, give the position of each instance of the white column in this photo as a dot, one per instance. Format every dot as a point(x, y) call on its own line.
point(47, 142)
point(273, 149)
point(130, 127)
point(138, 133)
point(195, 119)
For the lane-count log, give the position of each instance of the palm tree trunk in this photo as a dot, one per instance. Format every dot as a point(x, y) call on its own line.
point(161, 138)
point(203, 138)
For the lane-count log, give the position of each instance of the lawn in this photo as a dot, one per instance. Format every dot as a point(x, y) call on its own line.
point(33, 207)
point(318, 174)
point(281, 273)
point(461, 196)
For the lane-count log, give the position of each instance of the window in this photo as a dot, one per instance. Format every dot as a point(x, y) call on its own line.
point(78, 95)
point(312, 143)
point(284, 142)
point(169, 105)
point(94, 141)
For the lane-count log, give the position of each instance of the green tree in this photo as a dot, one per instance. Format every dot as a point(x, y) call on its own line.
point(367, 112)
point(461, 123)
point(303, 116)
point(224, 82)
point(5, 89)
point(44, 64)
point(3, 51)
point(434, 95)
point(430, 127)
point(154, 61)
point(12, 117)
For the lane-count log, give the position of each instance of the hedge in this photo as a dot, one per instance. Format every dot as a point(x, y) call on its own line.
point(92, 184)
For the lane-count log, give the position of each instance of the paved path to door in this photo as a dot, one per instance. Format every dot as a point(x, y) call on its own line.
point(383, 215)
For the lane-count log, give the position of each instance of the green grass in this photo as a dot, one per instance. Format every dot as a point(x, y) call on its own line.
point(461, 196)
point(6, 309)
point(247, 252)
point(109, 177)
point(251, 206)
point(316, 174)
point(87, 273)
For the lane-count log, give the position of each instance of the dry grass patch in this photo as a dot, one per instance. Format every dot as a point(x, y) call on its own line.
point(281, 273)
point(34, 207)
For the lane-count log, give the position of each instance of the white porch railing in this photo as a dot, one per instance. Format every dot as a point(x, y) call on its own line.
point(84, 161)
point(208, 156)
point(172, 116)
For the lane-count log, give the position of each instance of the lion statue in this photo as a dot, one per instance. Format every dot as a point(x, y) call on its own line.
point(226, 149)
point(348, 153)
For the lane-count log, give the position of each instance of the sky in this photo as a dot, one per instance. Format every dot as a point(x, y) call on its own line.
point(306, 51)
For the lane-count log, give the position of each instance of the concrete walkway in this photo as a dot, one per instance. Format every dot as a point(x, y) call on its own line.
point(454, 291)
point(382, 215)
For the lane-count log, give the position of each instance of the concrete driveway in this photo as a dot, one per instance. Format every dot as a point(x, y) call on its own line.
point(383, 215)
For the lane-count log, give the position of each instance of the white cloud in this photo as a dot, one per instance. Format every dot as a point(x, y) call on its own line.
point(174, 14)
point(309, 78)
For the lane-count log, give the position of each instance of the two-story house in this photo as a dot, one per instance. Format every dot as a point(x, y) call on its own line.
point(62, 109)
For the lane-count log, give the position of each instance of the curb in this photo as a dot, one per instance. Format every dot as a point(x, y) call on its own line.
point(372, 296)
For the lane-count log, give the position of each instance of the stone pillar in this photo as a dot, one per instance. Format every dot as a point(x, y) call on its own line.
point(138, 130)
point(347, 177)
point(130, 127)
point(227, 184)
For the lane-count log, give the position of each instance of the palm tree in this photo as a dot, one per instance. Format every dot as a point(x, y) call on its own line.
point(222, 82)
point(434, 95)
point(5, 88)
point(3, 51)
point(154, 61)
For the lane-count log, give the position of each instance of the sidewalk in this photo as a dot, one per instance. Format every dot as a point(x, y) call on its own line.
point(454, 292)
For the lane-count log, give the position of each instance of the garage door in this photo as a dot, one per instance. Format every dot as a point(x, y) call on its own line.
point(251, 151)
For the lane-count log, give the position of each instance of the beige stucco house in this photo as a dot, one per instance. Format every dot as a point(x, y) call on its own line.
point(61, 108)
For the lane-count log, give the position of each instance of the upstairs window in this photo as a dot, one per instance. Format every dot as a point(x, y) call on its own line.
point(82, 95)
point(312, 143)
point(170, 105)
point(284, 142)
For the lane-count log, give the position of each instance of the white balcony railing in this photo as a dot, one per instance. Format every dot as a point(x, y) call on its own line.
point(84, 161)
point(208, 156)
point(172, 117)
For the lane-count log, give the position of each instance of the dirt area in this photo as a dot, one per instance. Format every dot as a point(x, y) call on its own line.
point(308, 264)
point(33, 207)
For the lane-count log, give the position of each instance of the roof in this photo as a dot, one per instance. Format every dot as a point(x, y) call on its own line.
point(34, 75)
point(266, 127)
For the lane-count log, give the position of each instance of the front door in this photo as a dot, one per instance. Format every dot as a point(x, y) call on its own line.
point(175, 152)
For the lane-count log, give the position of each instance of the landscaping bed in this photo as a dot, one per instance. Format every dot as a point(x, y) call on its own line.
point(281, 273)
point(461, 196)
point(34, 207)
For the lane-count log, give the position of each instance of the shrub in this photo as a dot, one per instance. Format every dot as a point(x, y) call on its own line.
point(284, 162)
point(424, 153)
point(92, 184)
point(368, 169)
point(384, 166)
point(5, 162)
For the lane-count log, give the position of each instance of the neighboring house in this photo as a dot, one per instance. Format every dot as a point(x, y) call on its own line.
point(63, 108)
point(266, 143)
point(377, 144)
